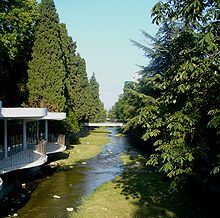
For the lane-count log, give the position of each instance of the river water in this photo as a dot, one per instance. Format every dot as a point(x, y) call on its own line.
point(71, 185)
point(77, 182)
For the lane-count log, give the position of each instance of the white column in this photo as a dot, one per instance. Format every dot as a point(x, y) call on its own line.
point(5, 138)
point(24, 135)
point(46, 131)
point(38, 136)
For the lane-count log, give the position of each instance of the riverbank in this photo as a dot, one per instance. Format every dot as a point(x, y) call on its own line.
point(43, 183)
point(138, 192)
point(88, 146)
point(115, 183)
point(125, 195)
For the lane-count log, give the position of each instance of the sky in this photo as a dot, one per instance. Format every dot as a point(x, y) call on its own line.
point(102, 30)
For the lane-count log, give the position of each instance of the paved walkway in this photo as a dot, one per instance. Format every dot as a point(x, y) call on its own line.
point(54, 148)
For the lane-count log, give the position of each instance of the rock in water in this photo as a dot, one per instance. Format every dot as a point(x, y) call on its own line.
point(56, 196)
point(69, 209)
point(53, 164)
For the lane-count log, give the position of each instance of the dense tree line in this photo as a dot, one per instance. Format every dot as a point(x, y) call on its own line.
point(175, 106)
point(17, 19)
point(39, 64)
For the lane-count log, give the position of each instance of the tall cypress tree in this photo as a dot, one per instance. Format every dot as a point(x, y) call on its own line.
point(68, 50)
point(97, 111)
point(47, 68)
point(79, 89)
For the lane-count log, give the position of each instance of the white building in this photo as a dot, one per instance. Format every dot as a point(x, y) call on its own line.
point(25, 139)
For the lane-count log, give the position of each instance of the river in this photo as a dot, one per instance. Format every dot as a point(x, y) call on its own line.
point(35, 198)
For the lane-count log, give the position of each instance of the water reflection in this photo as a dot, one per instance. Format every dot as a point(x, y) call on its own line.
point(74, 184)
point(71, 185)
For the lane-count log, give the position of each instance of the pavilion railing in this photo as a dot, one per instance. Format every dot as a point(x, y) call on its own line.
point(59, 139)
point(20, 159)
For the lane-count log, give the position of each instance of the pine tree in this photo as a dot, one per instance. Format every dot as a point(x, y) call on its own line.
point(68, 49)
point(97, 112)
point(78, 85)
point(81, 103)
point(47, 69)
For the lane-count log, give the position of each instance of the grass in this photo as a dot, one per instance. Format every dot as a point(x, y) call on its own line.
point(138, 192)
point(120, 135)
point(88, 147)
point(123, 197)
point(106, 202)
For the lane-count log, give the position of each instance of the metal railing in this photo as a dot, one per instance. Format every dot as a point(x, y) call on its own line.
point(14, 149)
point(33, 153)
point(23, 158)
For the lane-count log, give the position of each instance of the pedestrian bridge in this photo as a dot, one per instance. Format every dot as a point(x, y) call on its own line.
point(106, 124)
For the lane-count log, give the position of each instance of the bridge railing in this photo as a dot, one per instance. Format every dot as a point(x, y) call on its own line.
point(105, 124)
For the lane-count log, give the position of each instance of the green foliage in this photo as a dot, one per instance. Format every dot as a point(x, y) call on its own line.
point(17, 20)
point(97, 112)
point(39, 66)
point(71, 123)
point(215, 121)
point(117, 111)
point(57, 74)
point(78, 86)
point(181, 116)
point(47, 68)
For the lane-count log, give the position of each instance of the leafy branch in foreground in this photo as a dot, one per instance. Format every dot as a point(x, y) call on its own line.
point(182, 123)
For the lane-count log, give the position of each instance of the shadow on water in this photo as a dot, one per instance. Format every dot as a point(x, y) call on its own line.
point(72, 184)
point(137, 181)
point(18, 187)
point(58, 156)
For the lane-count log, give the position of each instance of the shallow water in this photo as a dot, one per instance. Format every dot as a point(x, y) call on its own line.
point(77, 182)
point(74, 184)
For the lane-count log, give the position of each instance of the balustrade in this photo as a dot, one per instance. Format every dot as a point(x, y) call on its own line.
point(22, 158)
